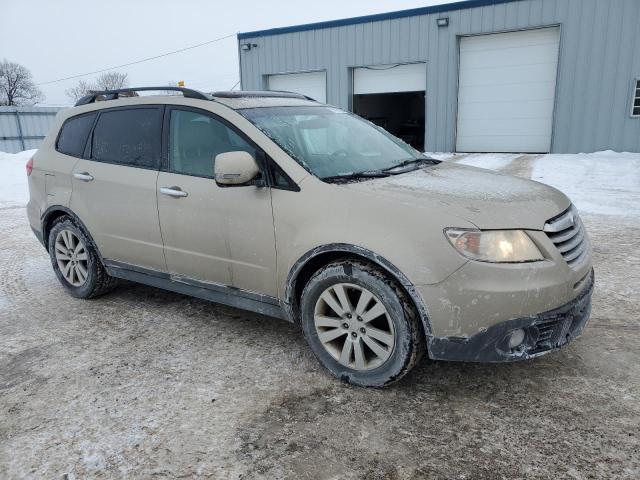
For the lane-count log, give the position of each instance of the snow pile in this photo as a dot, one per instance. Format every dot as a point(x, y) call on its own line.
point(605, 183)
point(14, 190)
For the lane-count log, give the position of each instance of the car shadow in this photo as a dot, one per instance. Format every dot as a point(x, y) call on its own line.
point(458, 379)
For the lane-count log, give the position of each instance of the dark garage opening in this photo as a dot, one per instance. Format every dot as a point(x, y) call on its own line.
point(400, 113)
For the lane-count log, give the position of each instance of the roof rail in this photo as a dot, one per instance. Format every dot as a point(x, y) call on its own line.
point(114, 94)
point(260, 93)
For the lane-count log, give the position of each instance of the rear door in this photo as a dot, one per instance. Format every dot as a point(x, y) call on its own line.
point(114, 186)
point(215, 234)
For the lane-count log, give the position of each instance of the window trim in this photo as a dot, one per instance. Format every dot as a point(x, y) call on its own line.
point(265, 162)
point(89, 135)
point(635, 95)
point(88, 153)
point(272, 168)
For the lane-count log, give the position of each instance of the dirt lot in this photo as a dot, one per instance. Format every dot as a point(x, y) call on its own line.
point(145, 383)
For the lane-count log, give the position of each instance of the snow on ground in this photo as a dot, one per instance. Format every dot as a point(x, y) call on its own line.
point(14, 190)
point(492, 161)
point(605, 183)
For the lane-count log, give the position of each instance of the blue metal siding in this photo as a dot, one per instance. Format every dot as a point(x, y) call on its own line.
point(599, 58)
point(374, 18)
point(24, 128)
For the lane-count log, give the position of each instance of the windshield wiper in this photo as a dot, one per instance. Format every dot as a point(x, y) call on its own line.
point(408, 162)
point(356, 175)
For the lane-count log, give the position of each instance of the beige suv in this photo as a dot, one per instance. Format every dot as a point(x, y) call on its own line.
point(275, 203)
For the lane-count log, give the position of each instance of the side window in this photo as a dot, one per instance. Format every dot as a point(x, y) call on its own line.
point(196, 138)
point(74, 133)
point(128, 137)
point(281, 180)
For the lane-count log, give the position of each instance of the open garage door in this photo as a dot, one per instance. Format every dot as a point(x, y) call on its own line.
point(506, 91)
point(392, 96)
point(311, 84)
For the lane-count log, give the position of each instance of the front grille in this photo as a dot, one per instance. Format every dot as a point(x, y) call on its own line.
point(567, 233)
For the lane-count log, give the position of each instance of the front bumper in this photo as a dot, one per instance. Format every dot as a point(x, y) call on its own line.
point(544, 332)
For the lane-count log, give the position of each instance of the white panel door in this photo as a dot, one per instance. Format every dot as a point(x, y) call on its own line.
point(506, 91)
point(390, 78)
point(311, 84)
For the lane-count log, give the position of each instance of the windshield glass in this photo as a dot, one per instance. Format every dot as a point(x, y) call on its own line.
point(330, 142)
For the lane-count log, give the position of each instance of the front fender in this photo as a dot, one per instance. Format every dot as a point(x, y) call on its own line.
point(291, 306)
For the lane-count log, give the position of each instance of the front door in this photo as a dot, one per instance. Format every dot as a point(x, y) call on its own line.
point(114, 188)
point(222, 235)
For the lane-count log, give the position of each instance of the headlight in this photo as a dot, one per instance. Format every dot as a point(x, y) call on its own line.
point(494, 245)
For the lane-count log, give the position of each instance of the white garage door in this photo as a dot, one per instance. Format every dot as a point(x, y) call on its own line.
point(506, 91)
point(311, 84)
point(390, 78)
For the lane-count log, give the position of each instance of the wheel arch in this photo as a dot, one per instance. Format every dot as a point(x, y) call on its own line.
point(56, 211)
point(313, 260)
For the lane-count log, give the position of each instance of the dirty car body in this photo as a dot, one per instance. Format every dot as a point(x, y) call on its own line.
point(278, 204)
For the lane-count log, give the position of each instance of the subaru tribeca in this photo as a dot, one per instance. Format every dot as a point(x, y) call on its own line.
point(275, 203)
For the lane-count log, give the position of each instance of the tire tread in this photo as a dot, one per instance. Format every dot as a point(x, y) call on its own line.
point(417, 341)
point(104, 282)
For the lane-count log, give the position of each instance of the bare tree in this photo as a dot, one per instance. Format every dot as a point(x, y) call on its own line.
point(80, 90)
point(112, 80)
point(105, 81)
point(17, 86)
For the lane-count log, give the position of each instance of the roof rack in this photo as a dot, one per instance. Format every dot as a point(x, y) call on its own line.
point(258, 94)
point(115, 94)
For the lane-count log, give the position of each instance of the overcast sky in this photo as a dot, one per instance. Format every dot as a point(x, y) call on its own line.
point(56, 39)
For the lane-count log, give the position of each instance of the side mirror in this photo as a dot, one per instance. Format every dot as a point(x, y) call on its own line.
point(235, 168)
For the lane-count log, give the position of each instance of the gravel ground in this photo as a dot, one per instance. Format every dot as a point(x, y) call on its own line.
point(146, 383)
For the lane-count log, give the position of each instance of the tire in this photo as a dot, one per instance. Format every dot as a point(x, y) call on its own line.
point(86, 277)
point(386, 335)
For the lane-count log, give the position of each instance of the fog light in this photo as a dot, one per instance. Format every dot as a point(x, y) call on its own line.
point(516, 338)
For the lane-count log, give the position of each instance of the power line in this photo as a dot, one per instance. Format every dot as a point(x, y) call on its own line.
point(138, 61)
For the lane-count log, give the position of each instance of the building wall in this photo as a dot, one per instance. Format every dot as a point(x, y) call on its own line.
point(24, 128)
point(599, 58)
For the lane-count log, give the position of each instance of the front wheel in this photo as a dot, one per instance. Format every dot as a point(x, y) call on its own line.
point(360, 325)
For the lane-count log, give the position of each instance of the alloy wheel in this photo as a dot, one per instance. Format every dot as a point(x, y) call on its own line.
point(354, 326)
point(71, 257)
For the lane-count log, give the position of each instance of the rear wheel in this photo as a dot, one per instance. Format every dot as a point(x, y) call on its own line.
point(76, 262)
point(360, 324)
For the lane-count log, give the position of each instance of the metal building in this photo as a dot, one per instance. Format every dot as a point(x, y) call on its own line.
point(557, 76)
point(24, 128)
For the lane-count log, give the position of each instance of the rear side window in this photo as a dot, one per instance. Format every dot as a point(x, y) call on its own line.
point(74, 133)
point(128, 137)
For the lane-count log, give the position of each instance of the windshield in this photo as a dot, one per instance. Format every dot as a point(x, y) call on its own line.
point(330, 142)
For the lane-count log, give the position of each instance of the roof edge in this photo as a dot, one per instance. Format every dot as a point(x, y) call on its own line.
point(445, 7)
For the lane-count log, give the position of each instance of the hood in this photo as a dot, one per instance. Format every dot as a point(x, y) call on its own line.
point(488, 199)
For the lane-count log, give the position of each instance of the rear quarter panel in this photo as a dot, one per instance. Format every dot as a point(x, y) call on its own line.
point(50, 181)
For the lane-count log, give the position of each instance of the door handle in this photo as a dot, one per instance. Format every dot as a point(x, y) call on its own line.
point(175, 192)
point(84, 176)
